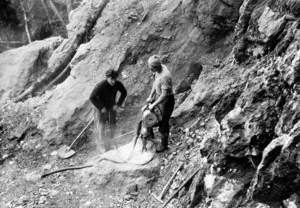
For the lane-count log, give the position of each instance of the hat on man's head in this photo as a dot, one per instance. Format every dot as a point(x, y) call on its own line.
point(154, 60)
point(111, 73)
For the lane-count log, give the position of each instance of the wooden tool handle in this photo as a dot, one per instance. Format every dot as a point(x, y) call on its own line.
point(182, 185)
point(80, 134)
point(168, 183)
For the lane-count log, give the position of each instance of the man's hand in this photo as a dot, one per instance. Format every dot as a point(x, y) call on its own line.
point(104, 110)
point(149, 100)
point(151, 106)
point(144, 108)
point(115, 107)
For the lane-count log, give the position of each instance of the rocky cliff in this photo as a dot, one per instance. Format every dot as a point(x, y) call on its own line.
point(235, 66)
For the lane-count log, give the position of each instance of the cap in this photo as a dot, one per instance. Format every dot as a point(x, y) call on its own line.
point(111, 73)
point(154, 60)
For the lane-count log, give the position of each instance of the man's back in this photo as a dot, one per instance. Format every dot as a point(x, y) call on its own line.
point(104, 94)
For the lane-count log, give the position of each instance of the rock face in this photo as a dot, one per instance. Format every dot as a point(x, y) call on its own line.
point(261, 124)
point(257, 110)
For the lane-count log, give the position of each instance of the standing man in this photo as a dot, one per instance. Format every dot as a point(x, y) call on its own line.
point(104, 99)
point(162, 96)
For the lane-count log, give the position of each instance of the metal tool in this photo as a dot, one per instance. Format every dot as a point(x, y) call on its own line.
point(65, 151)
point(138, 132)
point(159, 198)
point(124, 134)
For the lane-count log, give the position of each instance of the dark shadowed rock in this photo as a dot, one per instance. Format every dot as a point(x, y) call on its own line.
point(192, 74)
point(227, 103)
point(252, 121)
point(278, 175)
point(245, 11)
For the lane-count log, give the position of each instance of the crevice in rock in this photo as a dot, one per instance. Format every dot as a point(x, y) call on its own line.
point(286, 38)
point(227, 103)
point(246, 11)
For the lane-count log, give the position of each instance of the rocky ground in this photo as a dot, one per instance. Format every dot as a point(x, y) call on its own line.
point(22, 185)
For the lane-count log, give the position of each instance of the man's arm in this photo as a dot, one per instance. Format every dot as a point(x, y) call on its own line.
point(94, 97)
point(160, 99)
point(123, 94)
point(166, 89)
point(151, 96)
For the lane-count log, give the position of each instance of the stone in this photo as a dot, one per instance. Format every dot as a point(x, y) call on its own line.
point(187, 153)
point(47, 166)
point(170, 157)
point(195, 35)
point(190, 142)
point(131, 188)
point(127, 197)
point(42, 200)
point(270, 24)
point(54, 153)
point(53, 192)
point(175, 184)
point(22, 200)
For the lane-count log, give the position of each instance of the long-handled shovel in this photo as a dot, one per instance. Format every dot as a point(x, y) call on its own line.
point(65, 151)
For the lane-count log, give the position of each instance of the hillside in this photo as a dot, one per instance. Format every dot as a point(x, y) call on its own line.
point(235, 67)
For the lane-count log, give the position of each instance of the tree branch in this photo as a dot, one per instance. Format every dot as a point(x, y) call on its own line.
point(26, 21)
point(53, 7)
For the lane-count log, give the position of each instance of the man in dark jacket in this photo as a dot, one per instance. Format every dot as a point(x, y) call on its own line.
point(104, 99)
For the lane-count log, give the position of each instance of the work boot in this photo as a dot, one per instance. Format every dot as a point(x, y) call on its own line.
point(164, 143)
point(161, 148)
point(151, 133)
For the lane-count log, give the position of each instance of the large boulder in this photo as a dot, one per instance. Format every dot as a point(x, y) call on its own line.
point(21, 67)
